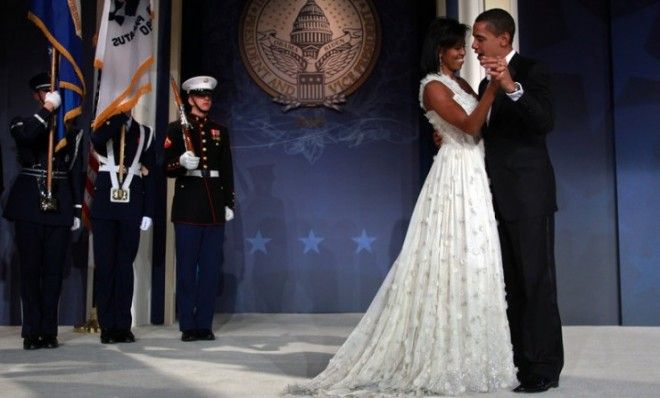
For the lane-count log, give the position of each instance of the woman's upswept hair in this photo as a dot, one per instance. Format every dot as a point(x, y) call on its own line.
point(443, 33)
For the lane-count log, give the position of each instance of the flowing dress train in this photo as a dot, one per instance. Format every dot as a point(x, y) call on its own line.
point(438, 324)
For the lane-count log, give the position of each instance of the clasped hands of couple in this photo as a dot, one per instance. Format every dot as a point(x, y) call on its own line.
point(498, 75)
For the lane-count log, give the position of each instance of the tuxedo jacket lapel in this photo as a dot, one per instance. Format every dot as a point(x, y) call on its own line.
point(499, 98)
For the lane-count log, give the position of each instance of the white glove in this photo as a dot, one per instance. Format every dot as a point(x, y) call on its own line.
point(229, 214)
point(146, 223)
point(76, 224)
point(54, 98)
point(189, 160)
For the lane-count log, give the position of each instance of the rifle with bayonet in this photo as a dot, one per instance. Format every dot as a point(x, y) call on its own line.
point(185, 124)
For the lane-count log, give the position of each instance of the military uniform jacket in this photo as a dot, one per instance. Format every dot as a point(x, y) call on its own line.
point(200, 200)
point(517, 160)
point(23, 204)
point(142, 187)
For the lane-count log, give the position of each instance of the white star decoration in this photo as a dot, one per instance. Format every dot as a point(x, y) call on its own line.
point(311, 242)
point(258, 243)
point(363, 242)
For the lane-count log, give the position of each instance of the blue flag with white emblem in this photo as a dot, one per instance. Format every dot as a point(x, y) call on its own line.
point(59, 21)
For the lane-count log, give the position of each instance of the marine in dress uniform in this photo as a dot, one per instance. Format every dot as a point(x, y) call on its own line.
point(203, 201)
point(123, 205)
point(42, 237)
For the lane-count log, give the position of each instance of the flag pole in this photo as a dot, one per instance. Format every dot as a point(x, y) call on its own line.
point(48, 202)
point(91, 325)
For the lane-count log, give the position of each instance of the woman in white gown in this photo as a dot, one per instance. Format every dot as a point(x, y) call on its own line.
point(437, 325)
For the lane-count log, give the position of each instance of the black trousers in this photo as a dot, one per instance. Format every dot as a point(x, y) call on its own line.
point(116, 244)
point(42, 250)
point(531, 293)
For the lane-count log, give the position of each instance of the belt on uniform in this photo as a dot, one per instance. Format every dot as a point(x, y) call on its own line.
point(203, 173)
point(40, 173)
point(113, 168)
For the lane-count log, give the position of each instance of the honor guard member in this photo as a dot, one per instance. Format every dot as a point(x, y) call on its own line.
point(123, 205)
point(203, 201)
point(43, 223)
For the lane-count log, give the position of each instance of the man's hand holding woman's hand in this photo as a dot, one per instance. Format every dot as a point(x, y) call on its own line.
point(498, 71)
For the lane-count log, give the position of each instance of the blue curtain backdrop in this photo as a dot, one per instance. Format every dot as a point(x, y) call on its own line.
point(636, 89)
point(605, 57)
point(324, 197)
point(571, 37)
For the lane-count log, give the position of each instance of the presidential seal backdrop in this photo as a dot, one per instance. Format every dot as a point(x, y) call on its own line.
point(309, 52)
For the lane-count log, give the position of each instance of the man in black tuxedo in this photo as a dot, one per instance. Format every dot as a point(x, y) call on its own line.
point(523, 187)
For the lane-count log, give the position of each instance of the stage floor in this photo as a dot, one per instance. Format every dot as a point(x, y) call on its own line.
point(256, 355)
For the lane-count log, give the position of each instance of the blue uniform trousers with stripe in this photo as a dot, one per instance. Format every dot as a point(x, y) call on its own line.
point(198, 261)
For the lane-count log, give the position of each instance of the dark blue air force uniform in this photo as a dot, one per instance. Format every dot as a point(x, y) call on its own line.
point(198, 214)
point(116, 222)
point(42, 237)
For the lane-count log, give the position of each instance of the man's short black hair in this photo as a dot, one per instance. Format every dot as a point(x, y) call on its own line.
point(499, 20)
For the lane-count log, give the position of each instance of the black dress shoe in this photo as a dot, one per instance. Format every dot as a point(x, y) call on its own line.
point(50, 341)
point(205, 334)
point(188, 335)
point(108, 336)
point(124, 336)
point(31, 343)
point(129, 337)
point(536, 384)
